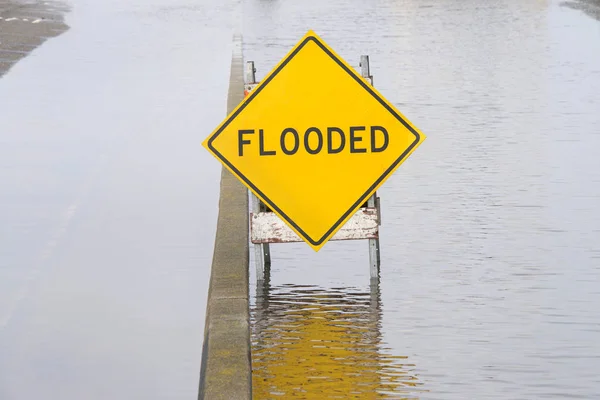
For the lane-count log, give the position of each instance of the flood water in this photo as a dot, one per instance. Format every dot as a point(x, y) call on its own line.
point(491, 230)
point(490, 275)
point(108, 202)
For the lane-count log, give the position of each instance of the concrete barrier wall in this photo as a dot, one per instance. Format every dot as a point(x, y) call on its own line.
point(226, 371)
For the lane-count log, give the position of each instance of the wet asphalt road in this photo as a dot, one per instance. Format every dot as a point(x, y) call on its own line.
point(25, 25)
point(107, 201)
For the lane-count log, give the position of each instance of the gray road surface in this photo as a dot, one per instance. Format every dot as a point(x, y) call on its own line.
point(108, 202)
point(24, 25)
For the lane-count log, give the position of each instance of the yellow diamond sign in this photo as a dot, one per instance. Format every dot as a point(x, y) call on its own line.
point(314, 140)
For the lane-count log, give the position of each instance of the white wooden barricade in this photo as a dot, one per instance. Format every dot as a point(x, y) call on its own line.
point(266, 227)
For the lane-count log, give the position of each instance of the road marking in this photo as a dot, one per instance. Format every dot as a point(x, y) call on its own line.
point(36, 21)
point(13, 51)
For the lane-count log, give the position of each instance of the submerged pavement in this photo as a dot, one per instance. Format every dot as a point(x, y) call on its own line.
point(590, 7)
point(108, 202)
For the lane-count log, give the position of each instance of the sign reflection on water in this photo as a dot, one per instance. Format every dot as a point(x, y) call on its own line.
point(315, 343)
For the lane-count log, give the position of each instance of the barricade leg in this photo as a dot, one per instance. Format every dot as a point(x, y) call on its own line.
point(374, 257)
point(259, 254)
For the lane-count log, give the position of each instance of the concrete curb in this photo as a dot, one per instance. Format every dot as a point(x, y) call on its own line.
point(226, 371)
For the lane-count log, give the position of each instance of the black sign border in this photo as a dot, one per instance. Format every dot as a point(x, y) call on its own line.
point(361, 82)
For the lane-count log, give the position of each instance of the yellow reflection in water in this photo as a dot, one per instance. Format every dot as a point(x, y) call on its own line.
point(312, 343)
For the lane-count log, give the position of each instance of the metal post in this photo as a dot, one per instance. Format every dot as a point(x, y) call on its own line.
point(250, 76)
point(258, 250)
point(374, 256)
point(250, 79)
point(262, 252)
point(374, 303)
point(267, 253)
point(365, 70)
point(265, 246)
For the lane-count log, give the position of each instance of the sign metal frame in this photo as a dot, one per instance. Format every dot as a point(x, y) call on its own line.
point(312, 37)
